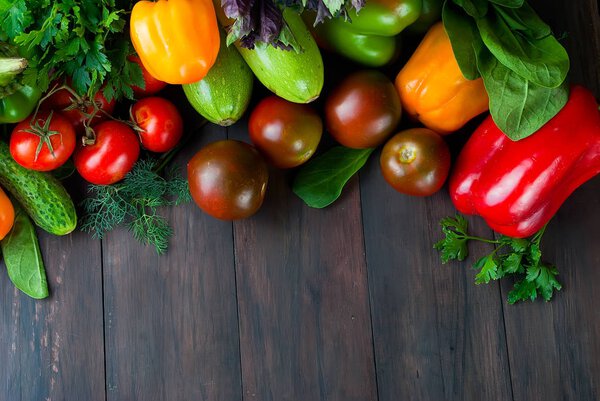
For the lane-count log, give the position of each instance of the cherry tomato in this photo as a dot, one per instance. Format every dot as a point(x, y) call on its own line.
point(111, 157)
point(160, 124)
point(44, 144)
point(416, 162)
point(153, 85)
point(7, 214)
point(363, 110)
point(78, 110)
point(228, 179)
point(286, 133)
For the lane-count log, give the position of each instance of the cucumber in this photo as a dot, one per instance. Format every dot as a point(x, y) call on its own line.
point(42, 196)
point(222, 97)
point(297, 77)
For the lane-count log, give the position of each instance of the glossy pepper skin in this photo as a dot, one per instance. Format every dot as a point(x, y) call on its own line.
point(518, 186)
point(16, 107)
point(434, 91)
point(177, 40)
point(369, 37)
point(7, 214)
point(431, 12)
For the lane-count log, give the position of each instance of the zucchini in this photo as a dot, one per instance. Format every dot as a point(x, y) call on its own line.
point(297, 77)
point(42, 196)
point(223, 95)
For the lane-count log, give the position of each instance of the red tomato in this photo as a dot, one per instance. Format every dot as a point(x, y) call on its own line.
point(44, 144)
point(111, 157)
point(152, 86)
point(286, 133)
point(160, 124)
point(79, 110)
point(228, 179)
point(363, 110)
point(416, 162)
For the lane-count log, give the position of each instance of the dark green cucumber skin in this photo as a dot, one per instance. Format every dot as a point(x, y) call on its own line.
point(42, 196)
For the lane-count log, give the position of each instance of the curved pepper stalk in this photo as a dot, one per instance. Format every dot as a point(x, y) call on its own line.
point(518, 186)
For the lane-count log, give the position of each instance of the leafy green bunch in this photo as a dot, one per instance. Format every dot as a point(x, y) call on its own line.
point(522, 64)
point(85, 40)
point(516, 257)
point(135, 202)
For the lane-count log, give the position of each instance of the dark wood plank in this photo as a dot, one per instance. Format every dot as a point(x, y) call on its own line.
point(554, 348)
point(171, 321)
point(53, 349)
point(437, 335)
point(303, 301)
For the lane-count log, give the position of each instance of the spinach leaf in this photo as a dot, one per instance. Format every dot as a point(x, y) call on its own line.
point(525, 21)
point(475, 8)
point(519, 107)
point(462, 32)
point(509, 3)
point(320, 182)
point(543, 61)
point(23, 258)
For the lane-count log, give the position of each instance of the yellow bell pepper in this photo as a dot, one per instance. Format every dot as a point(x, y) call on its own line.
point(434, 91)
point(177, 40)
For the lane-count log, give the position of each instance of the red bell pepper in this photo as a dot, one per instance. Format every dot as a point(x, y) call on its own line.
point(518, 186)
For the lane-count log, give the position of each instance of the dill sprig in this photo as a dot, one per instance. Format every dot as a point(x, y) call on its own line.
point(134, 202)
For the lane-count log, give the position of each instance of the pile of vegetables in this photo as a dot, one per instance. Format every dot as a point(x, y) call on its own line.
point(68, 67)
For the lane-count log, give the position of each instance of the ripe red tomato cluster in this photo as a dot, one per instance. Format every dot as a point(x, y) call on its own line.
point(107, 148)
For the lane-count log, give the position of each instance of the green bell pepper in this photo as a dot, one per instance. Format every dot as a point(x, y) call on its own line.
point(384, 17)
point(369, 37)
point(16, 101)
point(16, 107)
point(431, 12)
point(370, 50)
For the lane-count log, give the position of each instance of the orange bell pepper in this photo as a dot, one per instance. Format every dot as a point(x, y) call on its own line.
point(177, 40)
point(434, 91)
point(7, 214)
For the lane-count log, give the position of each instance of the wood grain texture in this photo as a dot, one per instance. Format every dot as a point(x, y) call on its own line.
point(53, 349)
point(437, 335)
point(303, 300)
point(171, 321)
point(554, 347)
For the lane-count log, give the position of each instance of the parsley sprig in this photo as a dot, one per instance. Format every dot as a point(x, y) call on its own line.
point(516, 257)
point(135, 202)
point(85, 40)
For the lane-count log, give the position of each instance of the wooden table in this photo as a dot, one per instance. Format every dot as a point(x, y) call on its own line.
point(349, 303)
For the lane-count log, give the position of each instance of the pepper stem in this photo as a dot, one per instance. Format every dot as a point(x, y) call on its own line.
point(12, 65)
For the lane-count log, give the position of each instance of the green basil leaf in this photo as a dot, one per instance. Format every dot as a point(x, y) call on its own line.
point(543, 61)
point(320, 182)
point(518, 106)
point(525, 21)
point(23, 258)
point(475, 8)
point(462, 32)
point(509, 3)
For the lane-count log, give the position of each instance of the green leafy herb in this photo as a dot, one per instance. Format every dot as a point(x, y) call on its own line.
point(23, 258)
point(522, 64)
point(516, 257)
point(135, 202)
point(320, 182)
point(82, 39)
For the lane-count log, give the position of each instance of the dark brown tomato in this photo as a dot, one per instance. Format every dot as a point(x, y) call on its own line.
point(363, 110)
point(286, 133)
point(228, 179)
point(416, 162)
